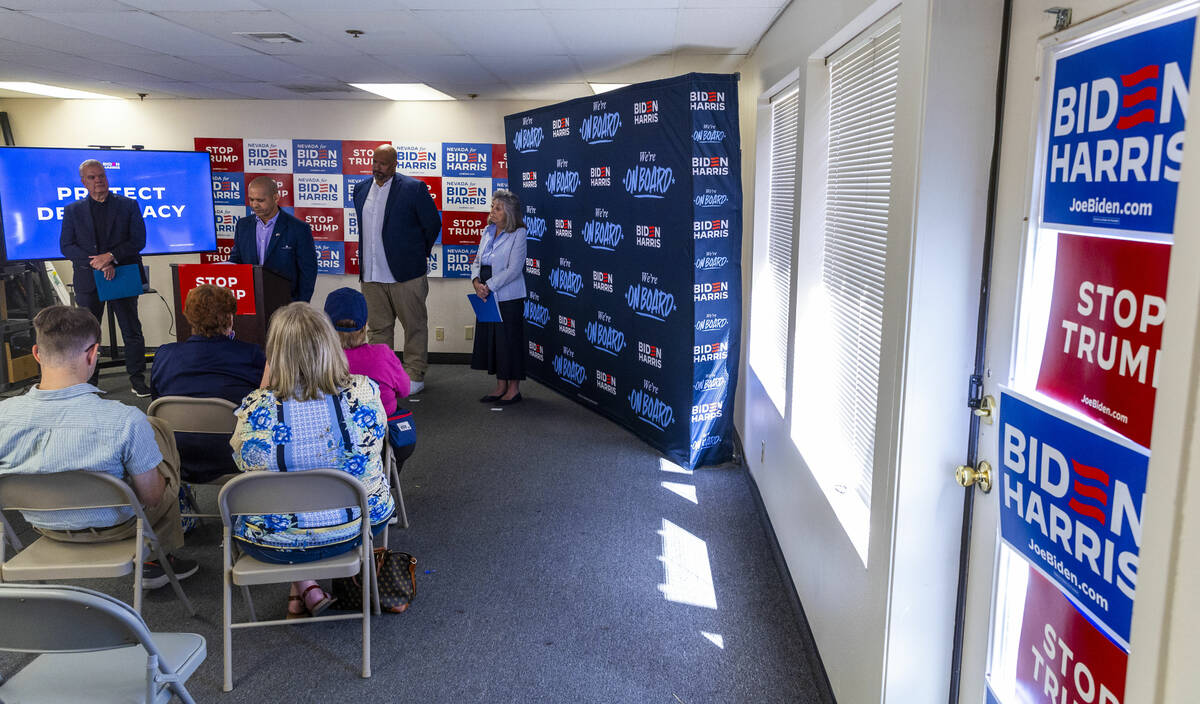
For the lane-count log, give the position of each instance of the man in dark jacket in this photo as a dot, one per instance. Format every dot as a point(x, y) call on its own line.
point(99, 233)
point(398, 224)
point(276, 240)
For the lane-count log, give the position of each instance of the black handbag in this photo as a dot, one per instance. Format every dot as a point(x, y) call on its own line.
point(397, 575)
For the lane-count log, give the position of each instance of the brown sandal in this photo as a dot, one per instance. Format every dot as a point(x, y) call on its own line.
point(296, 614)
point(324, 603)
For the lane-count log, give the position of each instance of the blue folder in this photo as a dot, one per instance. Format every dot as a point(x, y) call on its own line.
point(485, 311)
point(127, 282)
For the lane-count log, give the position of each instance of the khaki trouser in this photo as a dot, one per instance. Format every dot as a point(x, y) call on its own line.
point(163, 518)
point(404, 300)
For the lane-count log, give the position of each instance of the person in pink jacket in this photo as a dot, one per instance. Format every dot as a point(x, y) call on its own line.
point(347, 308)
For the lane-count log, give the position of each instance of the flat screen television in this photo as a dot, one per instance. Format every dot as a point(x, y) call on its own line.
point(174, 190)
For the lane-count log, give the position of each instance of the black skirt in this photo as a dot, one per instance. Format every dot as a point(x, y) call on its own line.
point(500, 347)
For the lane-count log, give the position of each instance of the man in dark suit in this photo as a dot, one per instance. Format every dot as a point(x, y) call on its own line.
point(398, 224)
point(276, 240)
point(99, 233)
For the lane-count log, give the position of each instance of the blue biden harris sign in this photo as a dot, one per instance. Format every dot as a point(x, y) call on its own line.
point(1116, 123)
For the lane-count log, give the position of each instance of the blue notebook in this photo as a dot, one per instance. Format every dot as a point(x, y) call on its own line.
point(127, 282)
point(485, 311)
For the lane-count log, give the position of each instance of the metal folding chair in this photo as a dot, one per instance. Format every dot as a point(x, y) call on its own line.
point(209, 416)
point(257, 493)
point(93, 648)
point(393, 471)
point(49, 559)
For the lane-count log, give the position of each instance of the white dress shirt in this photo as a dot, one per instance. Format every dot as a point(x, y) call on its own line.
point(374, 259)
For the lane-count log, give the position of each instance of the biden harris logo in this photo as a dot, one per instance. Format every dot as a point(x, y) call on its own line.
point(418, 160)
point(650, 409)
point(272, 156)
point(645, 112)
point(707, 100)
point(317, 157)
point(537, 351)
point(528, 139)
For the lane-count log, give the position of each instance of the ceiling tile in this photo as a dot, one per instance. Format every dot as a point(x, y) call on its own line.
point(552, 91)
point(726, 31)
point(731, 4)
point(607, 5)
point(210, 5)
point(259, 90)
point(24, 28)
point(397, 32)
point(631, 32)
point(520, 68)
point(482, 91)
point(443, 69)
point(225, 25)
point(480, 30)
point(145, 30)
point(472, 4)
point(66, 5)
point(165, 89)
point(171, 67)
point(255, 66)
point(350, 69)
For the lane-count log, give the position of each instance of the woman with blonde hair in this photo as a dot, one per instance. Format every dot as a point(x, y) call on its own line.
point(311, 413)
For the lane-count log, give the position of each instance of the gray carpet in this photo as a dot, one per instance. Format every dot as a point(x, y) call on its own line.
point(539, 532)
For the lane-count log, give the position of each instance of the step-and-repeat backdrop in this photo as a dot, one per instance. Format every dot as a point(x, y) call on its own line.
point(632, 200)
point(316, 178)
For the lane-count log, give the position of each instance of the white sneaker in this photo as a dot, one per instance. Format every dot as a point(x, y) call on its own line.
point(416, 387)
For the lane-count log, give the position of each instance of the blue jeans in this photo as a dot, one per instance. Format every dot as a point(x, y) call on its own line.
point(278, 556)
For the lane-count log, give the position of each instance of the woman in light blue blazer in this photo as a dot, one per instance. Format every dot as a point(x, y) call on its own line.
point(499, 270)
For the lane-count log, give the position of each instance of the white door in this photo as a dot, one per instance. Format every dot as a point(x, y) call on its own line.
point(1007, 597)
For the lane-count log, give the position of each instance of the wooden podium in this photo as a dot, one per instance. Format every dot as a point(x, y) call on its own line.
point(271, 292)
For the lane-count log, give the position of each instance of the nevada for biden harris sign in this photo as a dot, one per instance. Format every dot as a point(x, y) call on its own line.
point(632, 203)
point(1117, 115)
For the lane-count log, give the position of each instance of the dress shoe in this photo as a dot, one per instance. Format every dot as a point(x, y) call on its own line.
point(509, 401)
point(490, 398)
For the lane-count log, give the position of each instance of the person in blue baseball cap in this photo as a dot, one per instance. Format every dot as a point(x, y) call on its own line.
point(347, 309)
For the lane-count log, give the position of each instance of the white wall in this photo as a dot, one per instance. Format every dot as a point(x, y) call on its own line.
point(172, 124)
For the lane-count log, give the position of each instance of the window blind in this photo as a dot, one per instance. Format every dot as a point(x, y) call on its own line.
point(863, 79)
point(769, 348)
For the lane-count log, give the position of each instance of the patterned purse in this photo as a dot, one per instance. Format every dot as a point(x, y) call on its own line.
point(397, 573)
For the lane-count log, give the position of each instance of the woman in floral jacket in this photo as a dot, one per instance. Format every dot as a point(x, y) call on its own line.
point(311, 413)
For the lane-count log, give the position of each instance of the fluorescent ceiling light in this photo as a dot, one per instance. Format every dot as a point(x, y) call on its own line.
point(403, 91)
point(598, 88)
point(53, 91)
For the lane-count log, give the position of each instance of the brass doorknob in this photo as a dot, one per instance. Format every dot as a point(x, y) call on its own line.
point(970, 476)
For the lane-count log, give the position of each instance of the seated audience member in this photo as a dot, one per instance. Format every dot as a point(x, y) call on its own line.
point(62, 425)
point(347, 309)
point(310, 414)
point(209, 364)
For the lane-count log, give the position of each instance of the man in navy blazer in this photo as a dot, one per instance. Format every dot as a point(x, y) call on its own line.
point(276, 240)
point(99, 233)
point(398, 224)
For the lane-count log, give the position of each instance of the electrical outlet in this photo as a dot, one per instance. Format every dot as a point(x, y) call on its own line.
point(469, 332)
point(439, 334)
